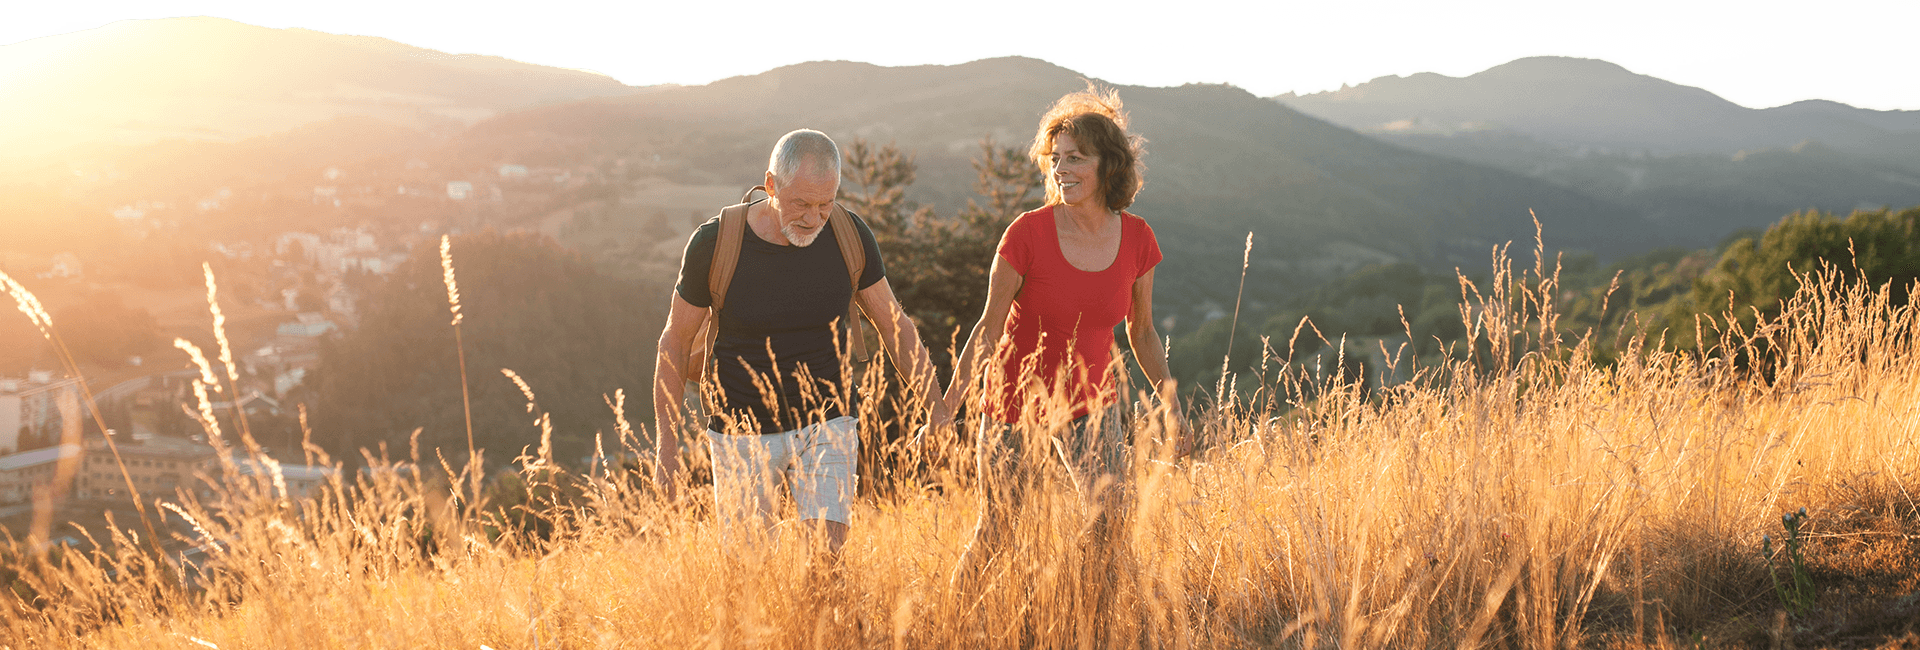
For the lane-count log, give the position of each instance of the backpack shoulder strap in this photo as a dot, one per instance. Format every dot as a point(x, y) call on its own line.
point(854, 253)
point(726, 258)
point(726, 253)
point(852, 250)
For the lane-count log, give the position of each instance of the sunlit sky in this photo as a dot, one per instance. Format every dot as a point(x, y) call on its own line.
point(1851, 50)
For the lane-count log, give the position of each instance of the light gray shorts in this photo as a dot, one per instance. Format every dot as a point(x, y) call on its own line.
point(817, 461)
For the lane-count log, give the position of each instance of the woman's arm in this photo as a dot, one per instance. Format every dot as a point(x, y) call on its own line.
point(1151, 354)
point(1003, 284)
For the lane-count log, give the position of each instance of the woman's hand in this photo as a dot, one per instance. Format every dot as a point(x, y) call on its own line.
point(954, 398)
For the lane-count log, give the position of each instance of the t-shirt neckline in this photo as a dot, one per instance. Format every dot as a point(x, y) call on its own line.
point(1053, 214)
point(786, 246)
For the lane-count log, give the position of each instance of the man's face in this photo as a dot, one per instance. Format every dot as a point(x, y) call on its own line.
point(803, 204)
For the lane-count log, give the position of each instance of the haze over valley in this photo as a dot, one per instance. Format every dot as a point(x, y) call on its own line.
point(305, 167)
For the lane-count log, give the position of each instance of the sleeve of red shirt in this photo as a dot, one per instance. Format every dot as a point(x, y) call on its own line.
point(1149, 249)
point(1016, 247)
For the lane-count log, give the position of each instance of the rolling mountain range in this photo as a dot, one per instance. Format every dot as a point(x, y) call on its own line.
point(210, 79)
point(1699, 165)
point(1426, 169)
point(1221, 162)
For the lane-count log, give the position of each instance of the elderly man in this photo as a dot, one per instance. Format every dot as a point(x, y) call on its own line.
point(775, 278)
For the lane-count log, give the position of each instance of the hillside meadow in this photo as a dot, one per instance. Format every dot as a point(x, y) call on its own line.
point(1515, 493)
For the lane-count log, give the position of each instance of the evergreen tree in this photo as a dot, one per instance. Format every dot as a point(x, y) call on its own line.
point(1756, 276)
point(938, 267)
point(571, 332)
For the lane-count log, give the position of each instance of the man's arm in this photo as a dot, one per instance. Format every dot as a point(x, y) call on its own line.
point(902, 340)
point(671, 372)
point(1151, 354)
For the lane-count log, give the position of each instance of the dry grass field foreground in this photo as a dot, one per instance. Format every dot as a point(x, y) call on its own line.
point(1520, 495)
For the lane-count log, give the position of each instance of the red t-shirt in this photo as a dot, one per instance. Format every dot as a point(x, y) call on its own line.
point(1059, 304)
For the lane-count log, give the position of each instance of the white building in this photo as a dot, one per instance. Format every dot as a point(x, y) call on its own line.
point(156, 465)
point(301, 481)
point(355, 239)
point(306, 325)
point(21, 473)
point(459, 190)
point(65, 265)
point(338, 251)
point(288, 380)
point(309, 244)
point(36, 407)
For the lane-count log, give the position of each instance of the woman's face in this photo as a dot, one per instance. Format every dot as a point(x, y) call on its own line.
point(1076, 173)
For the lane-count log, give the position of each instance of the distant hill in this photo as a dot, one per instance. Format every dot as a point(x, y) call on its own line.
point(1593, 103)
point(307, 130)
point(1699, 165)
point(1221, 161)
point(140, 81)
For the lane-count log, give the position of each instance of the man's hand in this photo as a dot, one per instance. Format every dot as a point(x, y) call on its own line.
point(942, 415)
point(953, 398)
point(666, 475)
point(1182, 441)
point(930, 434)
point(1180, 436)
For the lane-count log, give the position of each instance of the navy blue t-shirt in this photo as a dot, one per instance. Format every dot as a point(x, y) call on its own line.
point(781, 307)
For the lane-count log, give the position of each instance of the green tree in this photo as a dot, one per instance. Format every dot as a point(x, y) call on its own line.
point(874, 186)
point(939, 266)
point(573, 333)
point(1007, 184)
point(1758, 275)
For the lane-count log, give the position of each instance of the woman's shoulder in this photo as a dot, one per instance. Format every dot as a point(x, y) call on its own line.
point(1134, 222)
point(1139, 237)
point(1040, 215)
point(1030, 223)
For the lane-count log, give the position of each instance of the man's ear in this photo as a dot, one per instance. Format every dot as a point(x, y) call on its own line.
point(770, 184)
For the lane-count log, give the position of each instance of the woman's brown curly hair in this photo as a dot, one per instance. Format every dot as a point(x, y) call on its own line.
point(1098, 124)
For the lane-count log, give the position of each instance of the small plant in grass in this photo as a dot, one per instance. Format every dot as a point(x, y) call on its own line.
point(1796, 593)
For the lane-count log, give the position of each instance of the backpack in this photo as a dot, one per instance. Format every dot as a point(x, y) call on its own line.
point(726, 256)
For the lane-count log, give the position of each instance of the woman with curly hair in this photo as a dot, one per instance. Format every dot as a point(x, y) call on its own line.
point(1063, 277)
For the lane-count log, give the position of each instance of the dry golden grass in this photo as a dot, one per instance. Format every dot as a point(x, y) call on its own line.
point(1516, 496)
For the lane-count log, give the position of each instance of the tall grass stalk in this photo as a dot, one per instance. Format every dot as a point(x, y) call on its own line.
point(1226, 358)
point(67, 468)
point(1513, 494)
point(474, 465)
point(226, 358)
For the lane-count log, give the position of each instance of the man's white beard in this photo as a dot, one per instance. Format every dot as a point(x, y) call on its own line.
point(794, 237)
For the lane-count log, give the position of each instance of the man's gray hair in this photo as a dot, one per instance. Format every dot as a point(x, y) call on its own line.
point(802, 149)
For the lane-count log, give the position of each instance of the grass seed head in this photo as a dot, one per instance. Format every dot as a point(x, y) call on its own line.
point(446, 272)
point(220, 326)
point(200, 361)
point(522, 385)
point(207, 420)
point(29, 305)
